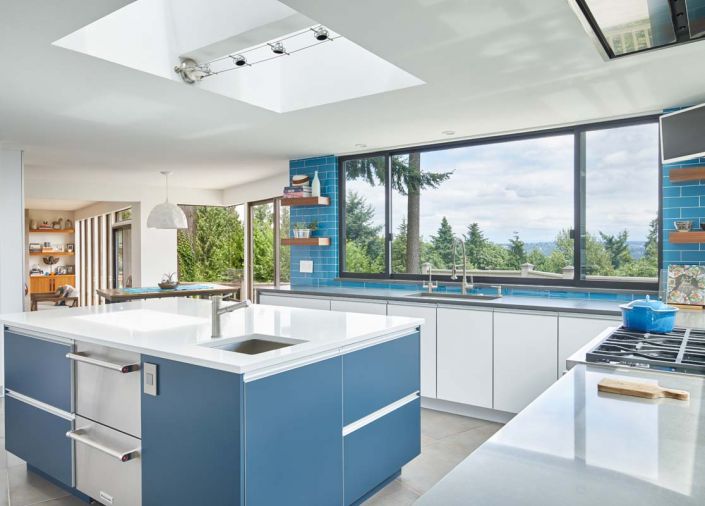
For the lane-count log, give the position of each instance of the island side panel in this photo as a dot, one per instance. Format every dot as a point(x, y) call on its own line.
point(294, 445)
point(192, 436)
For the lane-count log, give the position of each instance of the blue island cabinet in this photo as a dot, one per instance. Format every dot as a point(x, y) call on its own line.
point(323, 434)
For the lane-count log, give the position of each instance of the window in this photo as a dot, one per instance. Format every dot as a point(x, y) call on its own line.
point(212, 247)
point(621, 196)
point(511, 202)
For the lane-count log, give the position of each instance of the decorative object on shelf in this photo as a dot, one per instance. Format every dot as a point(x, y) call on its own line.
point(683, 225)
point(303, 230)
point(68, 225)
point(35, 247)
point(70, 269)
point(297, 192)
point(44, 226)
point(300, 180)
point(61, 270)
point(168, 281)
point(70, 247)
point(58, 224)
point(50, 261)
point(35, 270)
point(167, 215)
point(59, 248)
point(33, 224)
point(316, 186)
point(686, 285)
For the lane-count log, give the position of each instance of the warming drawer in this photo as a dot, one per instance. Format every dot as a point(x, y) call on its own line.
point(108, 464)
point(108, 387)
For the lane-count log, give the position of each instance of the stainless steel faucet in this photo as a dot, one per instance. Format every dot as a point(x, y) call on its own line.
point(430, 285)
point(217, 310)
point(464, 285)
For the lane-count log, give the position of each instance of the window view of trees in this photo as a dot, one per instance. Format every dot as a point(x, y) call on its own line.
point(511, 203)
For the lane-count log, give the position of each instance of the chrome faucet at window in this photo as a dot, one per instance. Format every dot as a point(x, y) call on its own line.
point(217, 310)
point(464, 285)
point(430, 284)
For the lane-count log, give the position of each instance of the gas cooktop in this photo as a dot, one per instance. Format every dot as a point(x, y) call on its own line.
point(682, 350)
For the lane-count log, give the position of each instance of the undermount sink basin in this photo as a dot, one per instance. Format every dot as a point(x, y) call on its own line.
point(252, 344)
point(460, 296)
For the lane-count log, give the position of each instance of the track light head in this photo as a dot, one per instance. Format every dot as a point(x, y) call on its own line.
point(239, 60)
point(277, 48)
point(320, 33)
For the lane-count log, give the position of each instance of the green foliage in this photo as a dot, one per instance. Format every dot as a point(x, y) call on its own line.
point(361, 232)
point(263, 244)
point(443, 244)
point(517, 254)
point(212, 249)
point(617, 248)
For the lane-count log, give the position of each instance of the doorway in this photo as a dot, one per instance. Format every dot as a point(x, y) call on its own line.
point(268, 261)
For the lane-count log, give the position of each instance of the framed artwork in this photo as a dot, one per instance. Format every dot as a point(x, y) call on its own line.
point(686, 285)
point(70, 269)
point(70, 247)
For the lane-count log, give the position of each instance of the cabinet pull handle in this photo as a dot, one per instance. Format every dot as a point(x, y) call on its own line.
point(79, 435)
point(121, 368)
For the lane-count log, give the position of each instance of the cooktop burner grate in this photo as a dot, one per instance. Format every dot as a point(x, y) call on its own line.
point(682, 350)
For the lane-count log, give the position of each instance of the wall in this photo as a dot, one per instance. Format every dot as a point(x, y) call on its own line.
point(256, 190)
point(683, 201)
point(325, 258)
point(12, 243)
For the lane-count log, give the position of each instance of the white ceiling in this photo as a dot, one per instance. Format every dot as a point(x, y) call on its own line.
point(56, 205)
point(490, 67)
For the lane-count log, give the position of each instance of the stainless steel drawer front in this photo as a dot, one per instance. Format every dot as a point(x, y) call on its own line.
point(108, 387)
point(108, 464)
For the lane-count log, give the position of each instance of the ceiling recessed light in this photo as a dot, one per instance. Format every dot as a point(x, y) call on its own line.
point(448, 132)
point(360, 145)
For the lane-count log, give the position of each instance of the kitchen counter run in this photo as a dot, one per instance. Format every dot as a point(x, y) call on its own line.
point(174, 328)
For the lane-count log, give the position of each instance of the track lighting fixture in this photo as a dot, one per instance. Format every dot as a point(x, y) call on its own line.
point(239, 60)
point(277, 48)
point(320, 33)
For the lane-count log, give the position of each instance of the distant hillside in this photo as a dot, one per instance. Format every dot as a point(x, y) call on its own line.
point(636, 248)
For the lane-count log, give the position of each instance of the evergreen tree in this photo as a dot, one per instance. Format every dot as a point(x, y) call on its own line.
point(443, 244)
point(359, 219)
point(617, 248)
point(399, 248)
point(517, 254)
point(651, 245)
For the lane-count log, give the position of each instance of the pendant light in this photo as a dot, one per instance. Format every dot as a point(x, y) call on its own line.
point(167, 215)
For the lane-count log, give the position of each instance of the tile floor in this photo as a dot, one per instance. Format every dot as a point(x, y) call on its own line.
point(445, 440)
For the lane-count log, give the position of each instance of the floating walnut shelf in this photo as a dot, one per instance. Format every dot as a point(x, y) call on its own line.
point(686, 237)
point(311, 241)
point(689, 174)
point(306, 201)
point(52, 231)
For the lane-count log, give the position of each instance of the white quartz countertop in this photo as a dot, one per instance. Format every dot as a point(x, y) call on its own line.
point(175, 328)
point(576, 446)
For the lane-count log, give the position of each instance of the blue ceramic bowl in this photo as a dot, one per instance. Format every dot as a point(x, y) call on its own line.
point(649, 316)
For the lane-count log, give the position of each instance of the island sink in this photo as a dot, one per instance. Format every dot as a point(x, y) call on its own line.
point(253, 344)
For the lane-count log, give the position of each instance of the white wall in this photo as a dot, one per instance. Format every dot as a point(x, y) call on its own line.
point(12, 244)
point(256, 190)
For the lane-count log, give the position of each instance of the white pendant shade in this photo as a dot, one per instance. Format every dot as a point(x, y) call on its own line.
point(167, 215)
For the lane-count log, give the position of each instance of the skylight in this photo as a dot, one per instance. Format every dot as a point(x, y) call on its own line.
point(154, 36)
point(626, 27)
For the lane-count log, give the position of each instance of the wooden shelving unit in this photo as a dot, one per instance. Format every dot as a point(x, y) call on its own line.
point(51, 254)
point(686, 237)
point(306, 201)
point(52, 231)
point(311, 241)
point(689, 174)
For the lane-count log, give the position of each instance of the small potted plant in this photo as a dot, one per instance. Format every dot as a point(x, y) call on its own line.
point(303, 230)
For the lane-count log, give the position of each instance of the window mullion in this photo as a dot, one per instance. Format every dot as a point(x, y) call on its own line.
point(579, 242)
point(388, 215)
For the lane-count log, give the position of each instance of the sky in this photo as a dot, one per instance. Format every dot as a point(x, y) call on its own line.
point(527, 186)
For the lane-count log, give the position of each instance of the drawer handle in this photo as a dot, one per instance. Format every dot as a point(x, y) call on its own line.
point(79, 435)
point(122, 368)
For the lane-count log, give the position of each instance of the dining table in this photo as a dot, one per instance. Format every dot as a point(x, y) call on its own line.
point(112, 295)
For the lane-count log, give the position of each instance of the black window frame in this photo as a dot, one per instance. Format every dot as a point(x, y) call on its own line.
point(579, 172)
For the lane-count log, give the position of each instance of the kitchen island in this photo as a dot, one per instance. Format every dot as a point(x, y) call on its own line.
point(135, 403)
point(577, 446)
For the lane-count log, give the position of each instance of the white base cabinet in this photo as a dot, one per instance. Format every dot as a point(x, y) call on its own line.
point(428, 341)
point(465, 356)
point(525, 357)
point(576, 331)
point(357, 306)
point(301, 302)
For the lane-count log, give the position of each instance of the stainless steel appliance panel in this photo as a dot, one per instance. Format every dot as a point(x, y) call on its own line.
point(108, 387)
point(108, 464)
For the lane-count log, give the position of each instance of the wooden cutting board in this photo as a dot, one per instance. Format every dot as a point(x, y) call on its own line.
point(640, 389)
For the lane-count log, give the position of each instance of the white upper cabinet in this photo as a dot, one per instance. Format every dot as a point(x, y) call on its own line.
point(525, 351)
point(359, 306)
point(465, 356)
point(428, 341)
point(576, 331)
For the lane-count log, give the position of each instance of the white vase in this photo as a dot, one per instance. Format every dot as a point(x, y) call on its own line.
point(316, 186)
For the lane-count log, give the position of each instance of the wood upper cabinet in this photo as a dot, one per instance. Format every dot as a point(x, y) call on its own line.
point(525, 351)
point(45, 284)
point(465, 356)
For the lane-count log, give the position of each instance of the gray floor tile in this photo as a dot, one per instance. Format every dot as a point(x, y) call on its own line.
point(437, 425)
point(63, 501)
point(4, 488)
point(394, 494)
point(27, 488)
